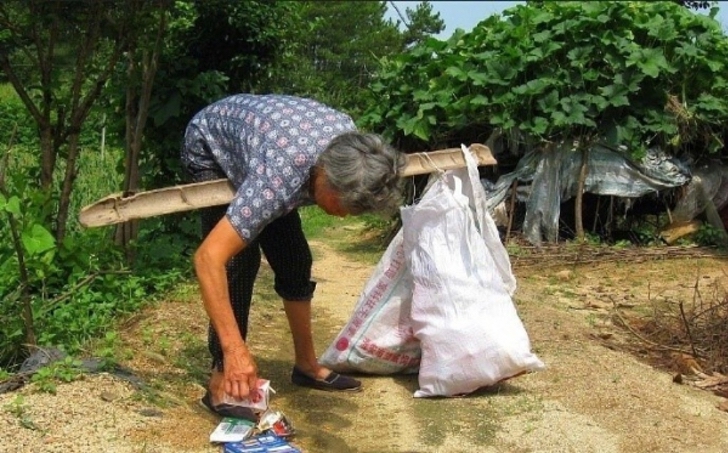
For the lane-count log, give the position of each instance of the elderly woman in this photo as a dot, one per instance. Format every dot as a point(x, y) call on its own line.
point(279, 152)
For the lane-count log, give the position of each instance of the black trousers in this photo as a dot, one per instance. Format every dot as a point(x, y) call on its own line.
point(287, 251)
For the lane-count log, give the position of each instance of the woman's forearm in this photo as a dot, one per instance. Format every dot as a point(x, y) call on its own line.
point(213, 283)
point(216, 250)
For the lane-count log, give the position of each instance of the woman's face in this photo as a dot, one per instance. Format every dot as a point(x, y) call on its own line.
point(327, 198)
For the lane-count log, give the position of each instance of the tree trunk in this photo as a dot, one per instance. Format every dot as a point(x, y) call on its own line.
point(127, 231)
point(578, 208)
point(67, 186)
point(137, 111)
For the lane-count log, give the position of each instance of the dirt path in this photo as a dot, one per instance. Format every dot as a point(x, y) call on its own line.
point(590, 399)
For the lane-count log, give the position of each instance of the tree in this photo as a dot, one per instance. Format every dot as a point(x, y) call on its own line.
point(420, 23)
point(58, 56)
point(211, 49)
point(67, 61)
point(239, 39)
point(141, 67)
point(342, 44)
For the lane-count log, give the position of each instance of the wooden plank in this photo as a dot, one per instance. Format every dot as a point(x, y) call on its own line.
point(116, 208)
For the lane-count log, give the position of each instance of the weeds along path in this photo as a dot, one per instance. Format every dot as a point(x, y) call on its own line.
point(592, 397)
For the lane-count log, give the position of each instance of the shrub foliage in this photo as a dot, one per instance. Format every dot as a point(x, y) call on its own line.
point(637, 74)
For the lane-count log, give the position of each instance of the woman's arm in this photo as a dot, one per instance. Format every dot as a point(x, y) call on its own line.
point(240, 371)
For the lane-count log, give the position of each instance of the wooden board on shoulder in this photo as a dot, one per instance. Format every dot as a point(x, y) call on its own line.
point(117, 208)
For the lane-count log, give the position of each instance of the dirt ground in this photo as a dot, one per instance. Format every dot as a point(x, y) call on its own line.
point(593, 396)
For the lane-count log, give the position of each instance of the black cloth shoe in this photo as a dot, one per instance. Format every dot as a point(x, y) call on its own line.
point(228, 410)
point(334, 382)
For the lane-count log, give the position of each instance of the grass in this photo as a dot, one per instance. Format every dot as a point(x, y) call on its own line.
point(362, 237)
point(7, 92)
point(316, 221)
point(97, 178)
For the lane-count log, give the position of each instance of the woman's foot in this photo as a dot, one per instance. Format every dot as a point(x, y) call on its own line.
point(325, 379)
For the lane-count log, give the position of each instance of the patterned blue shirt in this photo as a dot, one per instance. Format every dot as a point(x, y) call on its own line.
point(266, 146)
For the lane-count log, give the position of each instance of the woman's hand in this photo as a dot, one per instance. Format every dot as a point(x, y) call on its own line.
point(240, 372)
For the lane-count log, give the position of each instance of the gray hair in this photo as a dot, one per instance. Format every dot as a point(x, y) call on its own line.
point(365, 172)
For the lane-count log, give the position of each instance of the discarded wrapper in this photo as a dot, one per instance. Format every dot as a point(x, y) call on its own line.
point(263, 443)
point(275, 422)
point(232, 430)
point(261, 405)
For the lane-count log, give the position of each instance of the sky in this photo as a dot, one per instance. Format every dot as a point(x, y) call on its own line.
point(466, 15)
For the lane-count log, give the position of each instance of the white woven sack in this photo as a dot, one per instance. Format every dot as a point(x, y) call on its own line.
point(477, 201)
point(378, 338)
point(469, 330)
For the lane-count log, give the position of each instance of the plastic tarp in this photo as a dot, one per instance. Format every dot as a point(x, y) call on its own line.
point(547, 179)
point(709, 182)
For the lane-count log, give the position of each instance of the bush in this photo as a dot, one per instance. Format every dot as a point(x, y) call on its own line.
point(14, 118)
point(74, 289)
point(637, 74)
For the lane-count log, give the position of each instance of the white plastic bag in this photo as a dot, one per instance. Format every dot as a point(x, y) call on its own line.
point(378, 338)
point(470, 333)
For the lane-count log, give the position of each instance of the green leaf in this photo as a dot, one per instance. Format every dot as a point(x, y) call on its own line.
point(580, 55)
point(459, 74)
point(558, 118)
point(616, 95)
point(478, 78)
point(13, 206)
point(535, 54)
point(541, 36)
point(650, 61)
point(479, 100)
point(415, 126)
point(533, 87)
point(661, 29)
point(574, 111)
point(541, 16)
point(599, 102)
point(538, 125)
point(421, 130)
point(551, 47)
point(715, 66)
point(425, 106)
point(660, 122)
point(709, 103)
point(37, 240)
point(550, 102)
point(687, 50)
point(715, 144)
point(590, 75)
point(500, 72)
point(502, 119)
point(421, 95)
point(630, 80)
